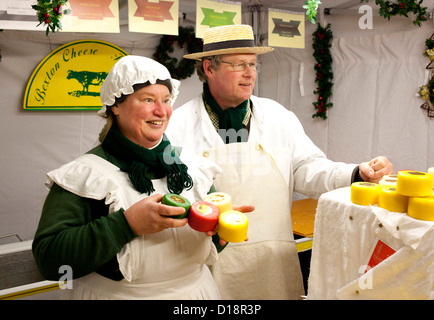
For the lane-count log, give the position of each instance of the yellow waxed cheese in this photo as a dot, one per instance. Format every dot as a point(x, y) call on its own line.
point(388, 180)
point(414, 183)
point(233, 226)
point(421, 208)
point(221, 200)
point(391, 200)
point(365, 193)
point(431, 172)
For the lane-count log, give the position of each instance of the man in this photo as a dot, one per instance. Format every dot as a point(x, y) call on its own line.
point(265, 155)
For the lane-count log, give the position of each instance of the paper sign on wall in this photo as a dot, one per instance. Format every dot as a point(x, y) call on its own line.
point(70, 77)
point(153, 16)
point(285, 29)
point(91, 16)
point(216, 13)
point(19, 15)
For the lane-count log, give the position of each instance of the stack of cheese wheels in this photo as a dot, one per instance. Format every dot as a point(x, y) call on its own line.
point(365, 193)
point(175, 200)
point(390, 199)
point(203, 216)
point(418, 186)
point(232, 225)
point(409, 191)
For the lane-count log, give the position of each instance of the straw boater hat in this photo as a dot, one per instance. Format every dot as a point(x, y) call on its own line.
point(226, 40)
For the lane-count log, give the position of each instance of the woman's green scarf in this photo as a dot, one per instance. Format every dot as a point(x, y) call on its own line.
point(139, 162)
point(231, 118)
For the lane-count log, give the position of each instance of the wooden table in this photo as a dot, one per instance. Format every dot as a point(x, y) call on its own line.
point(303, 217)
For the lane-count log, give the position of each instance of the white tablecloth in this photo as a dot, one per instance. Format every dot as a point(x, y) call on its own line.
point(345, 235)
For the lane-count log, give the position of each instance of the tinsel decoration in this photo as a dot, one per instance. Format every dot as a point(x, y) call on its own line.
point(185, 67)
point(402, 8)
point(322, 42)
point(50, 12)
point(427, 90)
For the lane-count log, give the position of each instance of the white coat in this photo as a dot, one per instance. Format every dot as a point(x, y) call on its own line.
point(277, 159)
point(304, 166)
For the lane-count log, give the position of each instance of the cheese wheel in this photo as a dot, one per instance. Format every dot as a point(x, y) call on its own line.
point(203, 216)
point(431, 172)
point(221, 200)
point(175, 200)
point(414, 183)
point(365, 193)
point(391, 200)
point(421, 208)
point(233, 226)
point(388, 180)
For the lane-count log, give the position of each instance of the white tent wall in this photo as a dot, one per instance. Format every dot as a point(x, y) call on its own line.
point(376, 77)
point(376, 112)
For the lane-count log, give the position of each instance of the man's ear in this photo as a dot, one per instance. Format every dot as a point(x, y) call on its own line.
point(207, 68)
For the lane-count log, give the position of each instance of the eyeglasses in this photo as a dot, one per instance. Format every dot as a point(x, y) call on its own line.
point(242, 66)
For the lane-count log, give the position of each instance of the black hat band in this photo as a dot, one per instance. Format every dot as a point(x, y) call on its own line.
point(229, 44)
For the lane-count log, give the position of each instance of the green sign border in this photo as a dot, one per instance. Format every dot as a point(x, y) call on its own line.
point(42, 63)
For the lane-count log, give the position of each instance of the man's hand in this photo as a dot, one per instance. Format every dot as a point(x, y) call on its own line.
point(375, 169)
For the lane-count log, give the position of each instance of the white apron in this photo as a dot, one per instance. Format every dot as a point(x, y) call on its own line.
point(170, 264)
point(267, 265)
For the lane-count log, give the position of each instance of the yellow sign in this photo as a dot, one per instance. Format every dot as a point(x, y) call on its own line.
point(91, 16)
point(153, 16)
point(70, 77)
point(285, 29)
point(212, 13)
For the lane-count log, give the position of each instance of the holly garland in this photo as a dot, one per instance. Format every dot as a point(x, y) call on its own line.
point(321, 44)
point(427, 90)
point(429, 51)
point(185, 67)
point(402, 8)
point(50, 12)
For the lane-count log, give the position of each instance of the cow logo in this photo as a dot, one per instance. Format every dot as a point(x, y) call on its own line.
point(71, 76)
point(86, 78)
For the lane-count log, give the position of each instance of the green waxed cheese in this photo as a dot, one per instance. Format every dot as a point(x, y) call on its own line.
point(176, 200)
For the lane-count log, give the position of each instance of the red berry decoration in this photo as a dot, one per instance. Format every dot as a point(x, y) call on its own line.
point(50, 12)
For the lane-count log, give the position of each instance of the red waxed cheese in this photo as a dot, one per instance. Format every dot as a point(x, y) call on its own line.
point(203, 216)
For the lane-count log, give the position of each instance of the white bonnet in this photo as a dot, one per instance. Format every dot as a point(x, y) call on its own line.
point(128, 71)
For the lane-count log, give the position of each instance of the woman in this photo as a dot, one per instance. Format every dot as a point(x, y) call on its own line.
point(103, 216)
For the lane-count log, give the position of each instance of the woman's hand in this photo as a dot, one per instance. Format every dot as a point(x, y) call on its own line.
point(149, 216)
point(243, 209)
